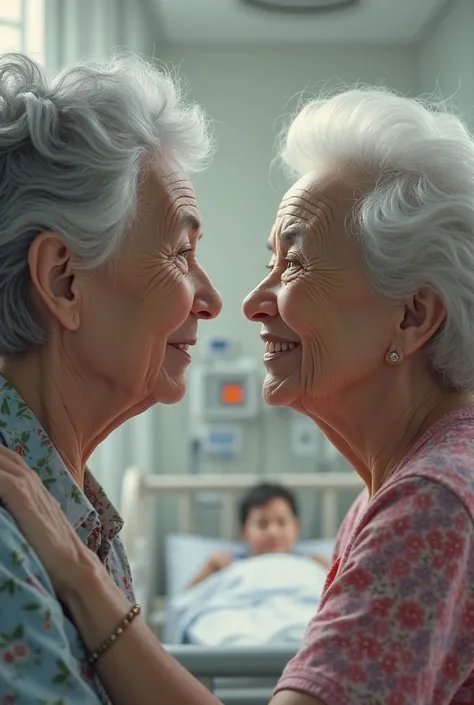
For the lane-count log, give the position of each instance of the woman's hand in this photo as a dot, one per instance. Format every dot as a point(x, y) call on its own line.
point(43, 523)
point(137, 667)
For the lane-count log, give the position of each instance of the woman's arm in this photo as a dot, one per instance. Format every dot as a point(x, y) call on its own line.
point(136, 669)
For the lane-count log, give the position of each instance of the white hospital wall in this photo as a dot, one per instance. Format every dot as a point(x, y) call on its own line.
point(445, 58)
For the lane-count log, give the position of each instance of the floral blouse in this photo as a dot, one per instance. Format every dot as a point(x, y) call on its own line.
point(396, 620)
point(42, 658)
point(350, 522)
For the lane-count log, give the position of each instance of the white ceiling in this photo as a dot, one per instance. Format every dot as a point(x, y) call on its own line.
point(220, 21)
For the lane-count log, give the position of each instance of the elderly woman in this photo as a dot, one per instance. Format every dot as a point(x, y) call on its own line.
point(100, 297)
point(367, 316)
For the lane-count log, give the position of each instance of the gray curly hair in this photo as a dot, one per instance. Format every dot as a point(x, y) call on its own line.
point(415, 225)
point(71, 152)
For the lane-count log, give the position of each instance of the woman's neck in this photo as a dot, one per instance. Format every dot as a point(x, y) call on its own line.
point(71, 412)
point(375, 429)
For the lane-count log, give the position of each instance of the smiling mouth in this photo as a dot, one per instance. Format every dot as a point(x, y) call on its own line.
point(183, 349)
point(272, 348)
point(180, 346)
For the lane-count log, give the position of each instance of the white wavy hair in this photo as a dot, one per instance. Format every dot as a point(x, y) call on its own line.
point(71, 156)
point(416, 223)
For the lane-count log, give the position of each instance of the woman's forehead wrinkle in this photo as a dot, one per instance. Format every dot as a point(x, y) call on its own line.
point(312, 207)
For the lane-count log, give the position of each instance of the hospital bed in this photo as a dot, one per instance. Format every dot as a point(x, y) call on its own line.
point(231, 672)
point(210, 665)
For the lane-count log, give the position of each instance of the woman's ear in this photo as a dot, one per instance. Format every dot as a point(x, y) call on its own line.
point(424, 314)
point(54, 280)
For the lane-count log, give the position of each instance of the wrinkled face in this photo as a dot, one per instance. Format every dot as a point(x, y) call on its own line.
point(271, 528)
point(323, 327)
point(138, 314)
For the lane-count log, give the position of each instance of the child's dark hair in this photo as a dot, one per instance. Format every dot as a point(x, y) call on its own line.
point(263, 493)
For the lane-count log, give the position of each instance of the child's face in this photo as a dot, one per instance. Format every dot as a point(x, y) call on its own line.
point(271, 528)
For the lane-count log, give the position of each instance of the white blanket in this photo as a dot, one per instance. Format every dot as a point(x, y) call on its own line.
point(255, 601)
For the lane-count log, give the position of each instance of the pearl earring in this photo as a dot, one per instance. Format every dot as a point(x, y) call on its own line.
point(394, 357)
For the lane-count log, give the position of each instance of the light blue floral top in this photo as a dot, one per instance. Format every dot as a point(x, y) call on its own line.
point(42, 658)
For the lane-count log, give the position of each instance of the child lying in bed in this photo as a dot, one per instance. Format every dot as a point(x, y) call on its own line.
point(269, 523)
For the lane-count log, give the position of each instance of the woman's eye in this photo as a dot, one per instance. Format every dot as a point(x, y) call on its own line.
point(185, 254)
point(291, 264)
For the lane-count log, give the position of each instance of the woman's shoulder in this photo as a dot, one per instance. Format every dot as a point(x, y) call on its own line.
point(415, 519)
point(448, 463)
point(443, 457)
point(17, 558)
point(350, 522)
point(34, 627)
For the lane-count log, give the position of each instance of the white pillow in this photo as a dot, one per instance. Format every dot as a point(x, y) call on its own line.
point(185, 554)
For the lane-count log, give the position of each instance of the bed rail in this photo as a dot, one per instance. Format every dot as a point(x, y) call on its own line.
point(244, 696)
point(233, 662)
point(209, 664)
point(138, 487)
point(143, 546)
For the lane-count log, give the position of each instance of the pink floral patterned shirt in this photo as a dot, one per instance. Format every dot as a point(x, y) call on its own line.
point(349, 522)
point(42, 658)
point(396, 624)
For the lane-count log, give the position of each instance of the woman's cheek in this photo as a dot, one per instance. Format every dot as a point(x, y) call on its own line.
point(296, 306)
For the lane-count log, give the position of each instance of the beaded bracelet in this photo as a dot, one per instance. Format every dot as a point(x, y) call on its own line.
point(105, 646)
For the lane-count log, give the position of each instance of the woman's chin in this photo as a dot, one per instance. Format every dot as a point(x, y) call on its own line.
point(279, 392)
point(172, 391)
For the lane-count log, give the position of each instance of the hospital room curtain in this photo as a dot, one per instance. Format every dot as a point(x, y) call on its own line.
point(77, 29)
point(74, 30)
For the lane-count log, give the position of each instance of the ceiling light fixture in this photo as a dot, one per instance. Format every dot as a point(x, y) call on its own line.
point(300, 6)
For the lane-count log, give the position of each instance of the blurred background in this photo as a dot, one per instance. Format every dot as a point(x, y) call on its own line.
point(248, 63)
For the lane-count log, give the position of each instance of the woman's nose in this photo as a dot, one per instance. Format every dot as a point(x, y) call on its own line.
point(260, 304)
point(208, 301)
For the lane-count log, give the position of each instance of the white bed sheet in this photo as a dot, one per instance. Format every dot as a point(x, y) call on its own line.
point(257, 601)
point(185, 554)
